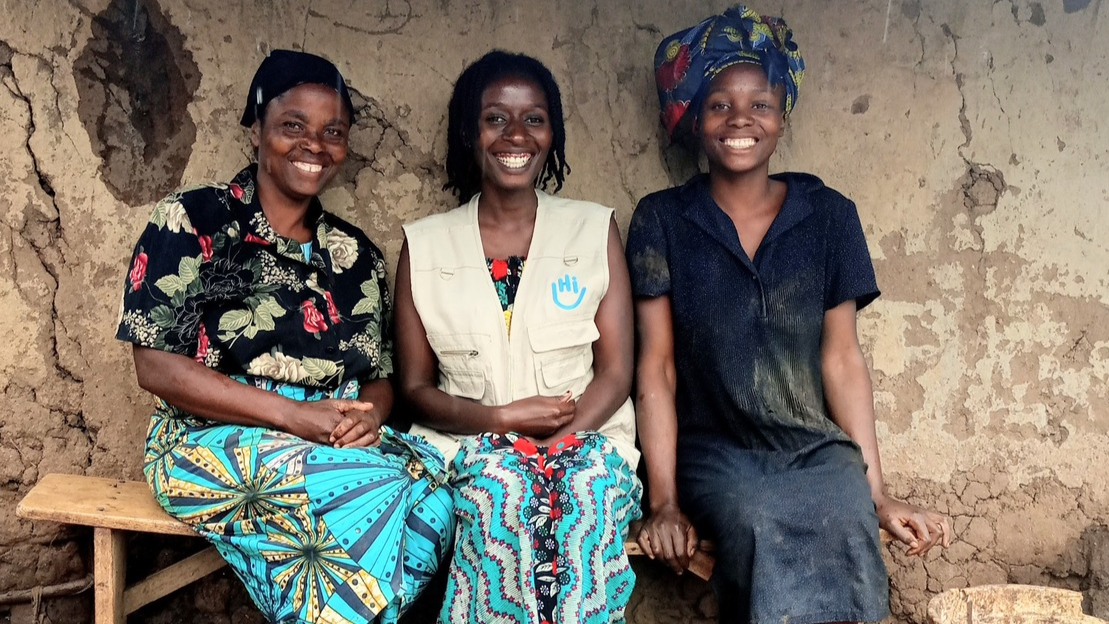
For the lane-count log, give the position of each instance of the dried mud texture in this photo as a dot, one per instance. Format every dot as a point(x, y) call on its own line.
point(970, 135)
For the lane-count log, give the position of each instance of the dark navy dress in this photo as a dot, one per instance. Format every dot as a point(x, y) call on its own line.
point(762, 468)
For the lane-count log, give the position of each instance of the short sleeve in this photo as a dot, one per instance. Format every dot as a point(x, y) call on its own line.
point(850, 271)
point(373, 306)
point(163, 274)
point(647, 252)
point(384, 366)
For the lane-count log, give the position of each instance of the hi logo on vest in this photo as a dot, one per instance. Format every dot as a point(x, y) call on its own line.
point(566, 289)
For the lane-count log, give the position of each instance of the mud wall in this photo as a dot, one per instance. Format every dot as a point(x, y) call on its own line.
point(971, 135)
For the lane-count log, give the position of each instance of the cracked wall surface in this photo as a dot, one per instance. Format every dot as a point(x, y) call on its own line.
point(970, 134)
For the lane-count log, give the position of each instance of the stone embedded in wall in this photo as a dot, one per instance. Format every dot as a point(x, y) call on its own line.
point(860, 105)
point(136, 80)
point(982, 187)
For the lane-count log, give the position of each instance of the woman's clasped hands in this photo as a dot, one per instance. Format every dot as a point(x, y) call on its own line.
point(543, 419)
point(342, 423)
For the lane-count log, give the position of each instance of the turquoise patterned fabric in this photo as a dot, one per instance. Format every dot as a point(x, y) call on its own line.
point(540, 536)
point(317, 534)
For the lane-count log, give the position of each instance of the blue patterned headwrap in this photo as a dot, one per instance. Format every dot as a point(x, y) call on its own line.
point(687, 61)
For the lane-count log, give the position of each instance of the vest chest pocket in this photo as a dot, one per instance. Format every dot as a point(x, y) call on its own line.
point(463, 363)
point(563, 355)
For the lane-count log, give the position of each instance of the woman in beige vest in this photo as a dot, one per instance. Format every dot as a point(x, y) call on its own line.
point(515, 341)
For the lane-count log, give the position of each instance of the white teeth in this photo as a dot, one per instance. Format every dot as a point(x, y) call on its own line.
point(310, 168)
point(739, 143)
point(514, 161)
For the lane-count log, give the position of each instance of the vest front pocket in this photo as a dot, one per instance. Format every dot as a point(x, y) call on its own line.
point(463, 363)
point(463, 383)
point(563, 355)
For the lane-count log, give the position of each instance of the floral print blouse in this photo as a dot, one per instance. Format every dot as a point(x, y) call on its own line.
point(506, 275)
point(212, 280)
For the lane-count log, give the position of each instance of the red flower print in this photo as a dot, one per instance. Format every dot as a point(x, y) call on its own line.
point(251, 238)
point(500, 269)
point(332, 310)
point(556, 511)
point(525, 446)
point(138, 270)
point(313, 320)
point(237, 192)
point(670, 73)
point(672, 114)
point(202, 345)
point(205, 247)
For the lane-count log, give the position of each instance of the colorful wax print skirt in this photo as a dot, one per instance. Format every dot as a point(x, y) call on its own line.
point(317, 534)
point(540, 535)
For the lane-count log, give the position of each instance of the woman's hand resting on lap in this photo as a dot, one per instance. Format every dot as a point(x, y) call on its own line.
point(537, 417)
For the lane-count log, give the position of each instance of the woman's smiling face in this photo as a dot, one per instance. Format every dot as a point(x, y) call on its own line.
point(741, 120)
point(514, 134)
point(302, 141)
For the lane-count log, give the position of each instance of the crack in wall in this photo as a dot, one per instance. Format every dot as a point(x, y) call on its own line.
point(912, 11)
point(368, 108)
point(997, 98)
point(43, 237)
point(391, 23)
point(964, 122)
point(53, 229)
point(996, 540)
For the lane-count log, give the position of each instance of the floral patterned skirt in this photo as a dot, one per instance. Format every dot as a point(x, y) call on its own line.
point(317, 534)
point(540, 535)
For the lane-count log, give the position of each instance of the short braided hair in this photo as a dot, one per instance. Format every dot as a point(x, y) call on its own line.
point(463, 173)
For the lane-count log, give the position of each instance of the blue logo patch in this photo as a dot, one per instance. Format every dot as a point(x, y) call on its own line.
point(567, 285)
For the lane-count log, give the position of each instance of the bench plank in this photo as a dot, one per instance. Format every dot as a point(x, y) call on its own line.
point(98, 502)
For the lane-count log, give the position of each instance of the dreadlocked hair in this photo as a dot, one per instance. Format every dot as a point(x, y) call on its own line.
point(463, 173)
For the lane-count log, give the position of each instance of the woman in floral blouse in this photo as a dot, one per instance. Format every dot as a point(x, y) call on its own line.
point(260, 322)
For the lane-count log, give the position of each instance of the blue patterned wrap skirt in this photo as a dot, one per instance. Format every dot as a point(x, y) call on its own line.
point(317, 534)
point(540, 535)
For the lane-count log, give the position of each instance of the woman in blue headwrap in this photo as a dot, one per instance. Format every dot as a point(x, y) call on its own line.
point(754, 399)
point(261, 324)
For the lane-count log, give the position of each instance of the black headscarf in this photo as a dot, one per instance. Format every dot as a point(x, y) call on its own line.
point(284, 69)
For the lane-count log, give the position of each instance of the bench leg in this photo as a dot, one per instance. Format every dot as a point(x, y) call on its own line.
point(109, 566)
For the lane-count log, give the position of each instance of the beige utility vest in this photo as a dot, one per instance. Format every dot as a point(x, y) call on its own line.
point(550, 348)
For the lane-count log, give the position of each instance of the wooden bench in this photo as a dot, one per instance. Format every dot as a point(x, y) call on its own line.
point(114, 508)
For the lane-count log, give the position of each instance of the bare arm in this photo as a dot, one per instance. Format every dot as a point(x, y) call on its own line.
point(419, 374)
point(197, 389)
point(667, 534)
point(850, 397)
point(613, 352)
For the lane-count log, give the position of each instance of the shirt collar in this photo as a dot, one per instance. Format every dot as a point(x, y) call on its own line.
point(257, 229)
point(699, 207)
